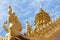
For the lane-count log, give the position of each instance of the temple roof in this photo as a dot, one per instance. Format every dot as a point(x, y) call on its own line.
point(41, 15)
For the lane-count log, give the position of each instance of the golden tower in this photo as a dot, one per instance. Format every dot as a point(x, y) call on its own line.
point(28, 28)
point(42, 17)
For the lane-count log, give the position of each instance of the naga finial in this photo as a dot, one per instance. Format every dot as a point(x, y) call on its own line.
point(14, 26)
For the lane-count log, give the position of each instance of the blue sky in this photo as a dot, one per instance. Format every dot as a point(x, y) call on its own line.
point(27, 9)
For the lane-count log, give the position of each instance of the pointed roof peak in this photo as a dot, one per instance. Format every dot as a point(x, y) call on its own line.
point(41, 9)
point(10, 10)
point(9, 7)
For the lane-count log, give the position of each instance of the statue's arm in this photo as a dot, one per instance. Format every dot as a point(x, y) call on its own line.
point(5, 28)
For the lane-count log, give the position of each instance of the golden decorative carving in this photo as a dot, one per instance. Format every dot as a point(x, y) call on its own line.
point(44, 28)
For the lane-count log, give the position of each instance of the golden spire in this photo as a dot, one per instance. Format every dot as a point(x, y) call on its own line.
point(27, 23)
point(42, 15)
point(41, 8)
point(28, 28)
point(9, 10)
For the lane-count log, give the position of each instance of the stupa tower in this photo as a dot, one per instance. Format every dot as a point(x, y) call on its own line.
point(42, 17)
point(28, 28)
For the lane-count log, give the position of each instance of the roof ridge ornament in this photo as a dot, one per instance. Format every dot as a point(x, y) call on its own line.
point(41, 9)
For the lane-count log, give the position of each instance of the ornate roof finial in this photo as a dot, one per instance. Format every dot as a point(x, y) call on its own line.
point(27, 21)
point(41, 8)
point(9, 10)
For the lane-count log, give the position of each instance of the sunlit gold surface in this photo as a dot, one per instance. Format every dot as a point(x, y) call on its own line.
point(44, 28)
